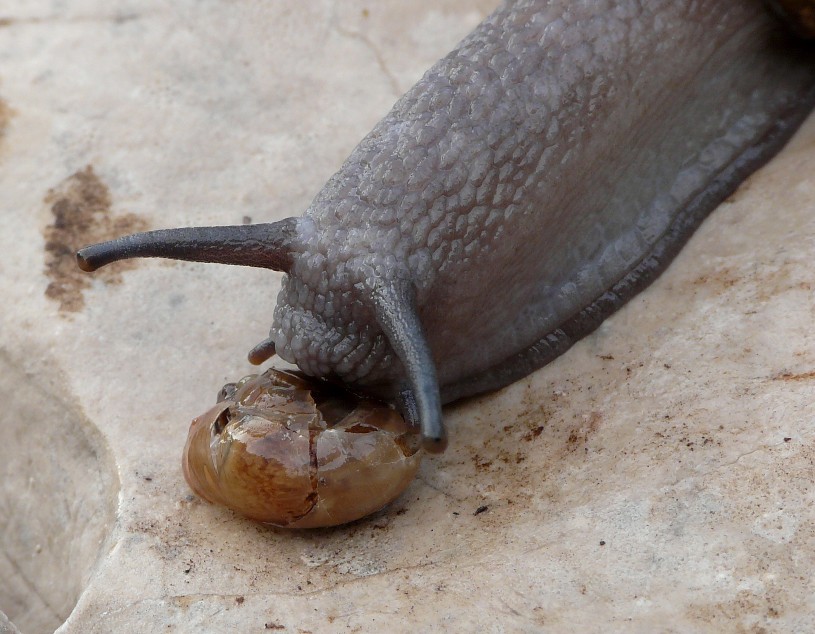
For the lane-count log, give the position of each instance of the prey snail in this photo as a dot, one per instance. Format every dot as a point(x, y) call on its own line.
point(526, 187)
point(287, 451)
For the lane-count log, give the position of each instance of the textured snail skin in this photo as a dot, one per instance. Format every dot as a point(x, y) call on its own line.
point(526, 187)
point(535, 179)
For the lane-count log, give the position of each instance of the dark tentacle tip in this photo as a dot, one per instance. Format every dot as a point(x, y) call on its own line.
point(95, 256)
point(263, 351)
point(436, 445)
point(84, 262)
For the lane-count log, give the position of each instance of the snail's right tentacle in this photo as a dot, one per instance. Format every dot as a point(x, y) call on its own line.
point(396, 314)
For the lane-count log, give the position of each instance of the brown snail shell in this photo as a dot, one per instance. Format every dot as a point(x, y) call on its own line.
point(287, 451)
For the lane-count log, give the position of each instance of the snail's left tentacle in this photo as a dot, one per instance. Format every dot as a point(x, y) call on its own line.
point(262, 245)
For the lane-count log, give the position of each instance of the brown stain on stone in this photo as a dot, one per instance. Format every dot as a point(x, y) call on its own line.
point(718, 280)
point(762, 610)
point(81, 207)
point(790, 376)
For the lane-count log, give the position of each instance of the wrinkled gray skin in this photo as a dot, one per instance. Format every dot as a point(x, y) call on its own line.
point(529, 184)
point(529, 172)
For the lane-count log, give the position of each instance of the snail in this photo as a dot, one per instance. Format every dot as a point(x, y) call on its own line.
point(533, 181)
point(291, 452)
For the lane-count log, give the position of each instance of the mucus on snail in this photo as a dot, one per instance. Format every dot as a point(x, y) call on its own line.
point(526, 187)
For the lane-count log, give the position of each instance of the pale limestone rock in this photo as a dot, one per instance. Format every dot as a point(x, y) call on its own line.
point(657, 477)
point(6, 626)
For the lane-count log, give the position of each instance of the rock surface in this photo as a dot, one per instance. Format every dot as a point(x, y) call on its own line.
point(657, 477)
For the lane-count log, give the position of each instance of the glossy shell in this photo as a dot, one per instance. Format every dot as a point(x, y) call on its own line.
point(286, 451)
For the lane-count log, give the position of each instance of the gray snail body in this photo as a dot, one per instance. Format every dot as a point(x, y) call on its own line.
point(528, 185)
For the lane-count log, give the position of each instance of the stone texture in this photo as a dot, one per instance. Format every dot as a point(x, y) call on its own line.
point(6, 627)
point(657, 477)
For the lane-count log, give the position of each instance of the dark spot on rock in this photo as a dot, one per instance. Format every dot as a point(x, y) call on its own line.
point(274, 626)
point(787, 439)
point(122, 18)
point(481, 465)
point(602, 542)
point(5, 116)
point(239, 600)
point(580, 436)
point(81, 209)
point(481, 509)
point(533, 433)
